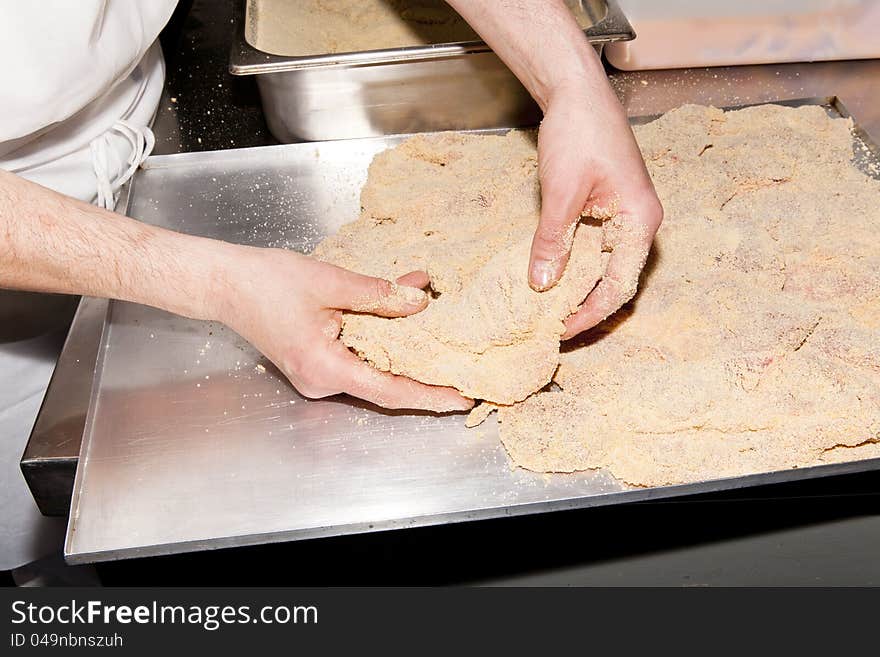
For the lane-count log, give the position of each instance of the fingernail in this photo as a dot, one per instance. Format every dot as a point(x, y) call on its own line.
point(543, 275)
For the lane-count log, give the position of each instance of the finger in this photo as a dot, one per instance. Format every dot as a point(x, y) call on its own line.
point(347, 290)
point(607, 297)
point(561, 204)
point(357, 378)
point(417, 279)
point(333, 327)
point(618, 285)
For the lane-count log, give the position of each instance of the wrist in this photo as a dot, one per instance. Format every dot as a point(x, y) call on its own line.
point(197, 277)
point(226, 271)
point(583, 78)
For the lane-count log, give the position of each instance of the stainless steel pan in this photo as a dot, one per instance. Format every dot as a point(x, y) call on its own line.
point(448, 86)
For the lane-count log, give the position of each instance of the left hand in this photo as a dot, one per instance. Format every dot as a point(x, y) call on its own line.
point(289, 306)
point(589, 162)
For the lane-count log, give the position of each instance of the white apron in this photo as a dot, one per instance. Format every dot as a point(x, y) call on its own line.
point(77, 96)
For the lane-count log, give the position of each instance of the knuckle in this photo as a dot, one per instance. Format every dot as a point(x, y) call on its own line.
point(658, 211)
point(654, 212)
point(649, 211)
point(309, 391)
point(549, 238)
point(304, 371)
point(314, 386)
point(291, 365)
point(382, 288)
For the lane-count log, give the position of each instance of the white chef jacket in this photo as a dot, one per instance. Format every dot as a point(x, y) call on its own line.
point(78, 91)
point(83, 85)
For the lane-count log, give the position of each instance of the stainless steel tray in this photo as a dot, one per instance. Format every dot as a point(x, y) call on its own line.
point(448, 86)
point(190, 445)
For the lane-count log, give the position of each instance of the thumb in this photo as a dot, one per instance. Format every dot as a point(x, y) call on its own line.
point(347, 290)
point(561, 206)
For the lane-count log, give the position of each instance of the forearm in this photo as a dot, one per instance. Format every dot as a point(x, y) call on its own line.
point(541, 42)
point(53, 243)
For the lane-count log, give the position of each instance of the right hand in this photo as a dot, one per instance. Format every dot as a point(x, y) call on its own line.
point(589, 161)
point(289, 306)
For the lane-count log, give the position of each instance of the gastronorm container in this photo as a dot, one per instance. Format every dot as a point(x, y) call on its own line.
point(447, 86)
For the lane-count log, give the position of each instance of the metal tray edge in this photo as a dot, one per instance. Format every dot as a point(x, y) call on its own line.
point(630, 496)
point(92, 407)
